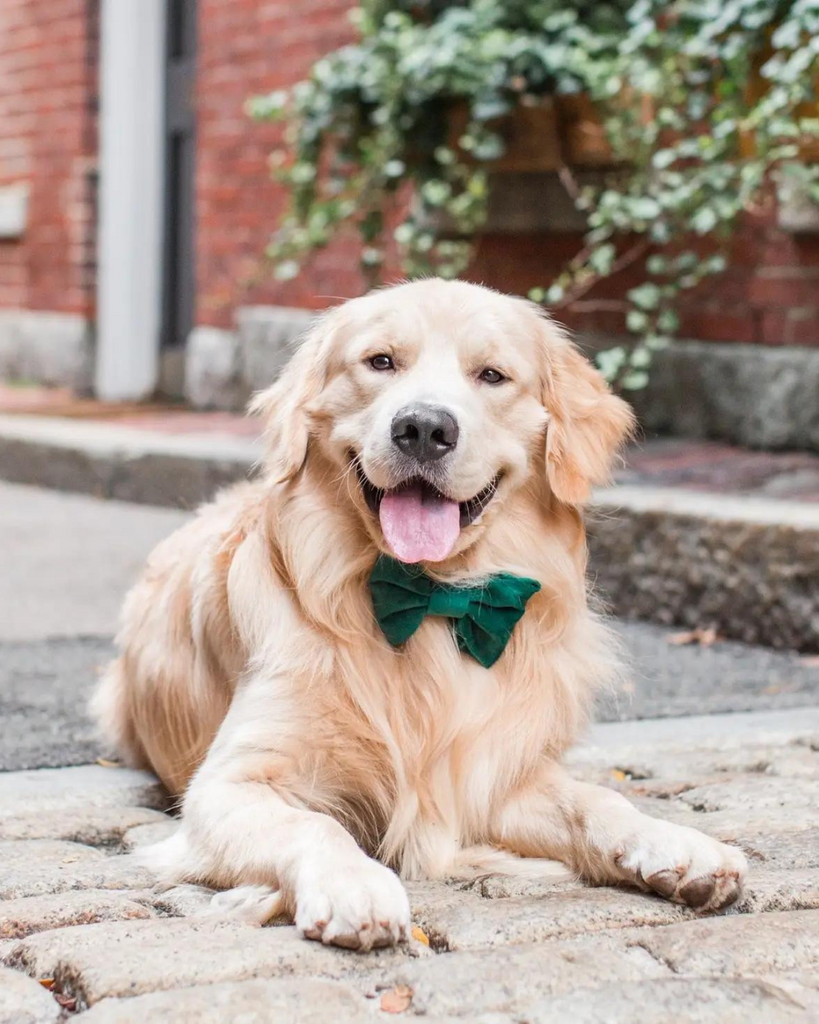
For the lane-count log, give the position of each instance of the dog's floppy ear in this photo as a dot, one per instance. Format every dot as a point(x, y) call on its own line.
point(285, 405)
point(587, 427)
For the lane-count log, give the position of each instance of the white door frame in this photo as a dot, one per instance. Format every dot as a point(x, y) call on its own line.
point(131, 190)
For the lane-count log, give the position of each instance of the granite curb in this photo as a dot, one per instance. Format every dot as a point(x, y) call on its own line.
point(745, 565)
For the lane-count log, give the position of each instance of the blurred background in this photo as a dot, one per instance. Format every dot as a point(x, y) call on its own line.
point(173, 212)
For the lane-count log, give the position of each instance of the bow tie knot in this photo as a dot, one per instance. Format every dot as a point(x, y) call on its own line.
point(449, 603)
point(483, 614)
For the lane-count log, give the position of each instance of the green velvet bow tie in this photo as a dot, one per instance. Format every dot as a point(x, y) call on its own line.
point(483, 616)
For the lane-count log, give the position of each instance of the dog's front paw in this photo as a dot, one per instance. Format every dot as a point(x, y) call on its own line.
point(683, 865)
point(356, 903)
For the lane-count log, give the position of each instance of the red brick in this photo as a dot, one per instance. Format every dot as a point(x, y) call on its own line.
point(48, 136)
point(48, 139)
point(802, 327)
point(719, 324)
point(773, 327)
point(781, 290)
point(244, 48)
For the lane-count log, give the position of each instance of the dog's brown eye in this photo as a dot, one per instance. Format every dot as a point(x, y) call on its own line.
point(490, 376)
point(382, 362)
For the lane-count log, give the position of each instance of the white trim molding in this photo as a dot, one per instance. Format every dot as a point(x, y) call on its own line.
point(132, 84)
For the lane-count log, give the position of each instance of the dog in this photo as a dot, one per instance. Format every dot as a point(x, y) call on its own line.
point(430, 444)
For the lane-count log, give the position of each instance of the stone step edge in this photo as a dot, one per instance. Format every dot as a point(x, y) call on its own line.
point(106, 441)
point(747, 565)
point(110, 460)
point(637, 499)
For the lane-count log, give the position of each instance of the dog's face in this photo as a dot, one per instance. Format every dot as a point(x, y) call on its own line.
point(437, 398)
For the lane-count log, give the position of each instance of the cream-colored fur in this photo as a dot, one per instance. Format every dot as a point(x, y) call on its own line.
point(308, 753)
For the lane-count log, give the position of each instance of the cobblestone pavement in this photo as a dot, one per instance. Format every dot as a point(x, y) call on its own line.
point(84, 934)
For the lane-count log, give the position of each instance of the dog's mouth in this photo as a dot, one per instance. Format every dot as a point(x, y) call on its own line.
point(419, 522)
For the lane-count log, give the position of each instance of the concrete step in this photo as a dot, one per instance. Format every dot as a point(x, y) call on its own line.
point(169, 460)
point(745, 565)
point(695, 535)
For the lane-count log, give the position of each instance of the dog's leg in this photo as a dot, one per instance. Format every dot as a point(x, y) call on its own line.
point(245, 823)
point(598, 833)
point(240, 830)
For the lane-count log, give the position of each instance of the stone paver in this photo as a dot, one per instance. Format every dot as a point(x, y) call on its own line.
point(21, 917)
point(135, 957)
point(681, 1000)
point(771, 889)
point(40, 866)
point(307, 1001)
point(508, 981)
point(777, 850)
point(502, 950)
point(47, 790)
point(89, 803)
point(738, 945)
point(24, 1001)
point(523, 919)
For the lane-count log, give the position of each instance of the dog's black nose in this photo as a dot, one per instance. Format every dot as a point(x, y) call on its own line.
point(426, 432)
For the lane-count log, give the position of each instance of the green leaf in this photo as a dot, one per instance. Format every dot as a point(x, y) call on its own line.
point(645, 208)
point(602, 258)
point(636, 380)
point(704, 220)
point(611, 361)
point(636, 321)
point(489, 147)
point(645, 296)
point(286, 270)
point(640, 358)
point(668, 321)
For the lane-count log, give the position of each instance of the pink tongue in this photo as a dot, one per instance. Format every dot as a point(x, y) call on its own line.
point(419, 525)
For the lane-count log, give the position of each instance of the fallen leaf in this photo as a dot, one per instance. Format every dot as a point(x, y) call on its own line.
point(67, 1002)
point(108, 764)
point(420, 936)
point(397, 999)
point(703, 637)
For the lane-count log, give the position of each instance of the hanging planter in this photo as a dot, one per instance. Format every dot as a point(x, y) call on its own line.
point(543, 136)
point(446, 101)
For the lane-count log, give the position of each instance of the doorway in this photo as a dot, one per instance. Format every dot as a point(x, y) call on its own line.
point(178, 274)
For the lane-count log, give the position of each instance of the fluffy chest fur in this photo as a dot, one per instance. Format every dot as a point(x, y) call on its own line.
point(412, 748)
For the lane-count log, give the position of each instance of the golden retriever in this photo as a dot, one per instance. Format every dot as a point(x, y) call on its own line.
point(445, 425)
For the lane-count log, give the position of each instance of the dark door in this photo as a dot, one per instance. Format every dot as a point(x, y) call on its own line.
point(180, 147)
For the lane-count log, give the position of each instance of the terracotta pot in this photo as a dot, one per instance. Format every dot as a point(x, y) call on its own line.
point(557, 131)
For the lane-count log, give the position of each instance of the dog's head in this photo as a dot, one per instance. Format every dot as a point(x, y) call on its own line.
point(440, 399)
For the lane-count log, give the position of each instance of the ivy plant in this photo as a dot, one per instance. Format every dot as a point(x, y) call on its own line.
point(708, 106)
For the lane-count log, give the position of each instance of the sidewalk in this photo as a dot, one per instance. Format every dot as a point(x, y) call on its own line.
point(695, 534)
point(81, 919)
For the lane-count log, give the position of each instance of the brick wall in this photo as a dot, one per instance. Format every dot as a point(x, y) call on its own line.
point(247, 47)
point(769, 294)
point(48, 74)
